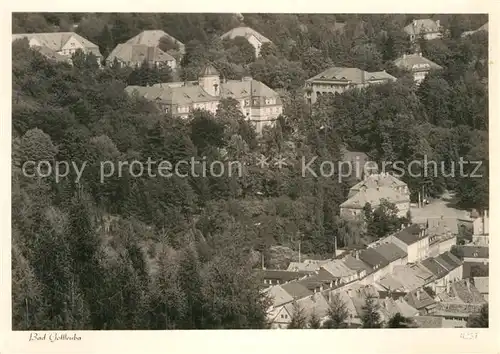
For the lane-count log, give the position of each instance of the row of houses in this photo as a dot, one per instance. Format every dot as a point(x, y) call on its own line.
point(414, 267)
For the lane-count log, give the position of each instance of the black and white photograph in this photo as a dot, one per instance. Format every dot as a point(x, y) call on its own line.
point(273, 171)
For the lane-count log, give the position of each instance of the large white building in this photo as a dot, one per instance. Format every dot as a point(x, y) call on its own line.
point(60, 46)
point(258, 103)
point(425, 27)
point(418, 65)
point(373, 189)
point(252, 36)
point(340, 79)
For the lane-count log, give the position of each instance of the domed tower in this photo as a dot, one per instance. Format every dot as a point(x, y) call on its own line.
point(209, 80)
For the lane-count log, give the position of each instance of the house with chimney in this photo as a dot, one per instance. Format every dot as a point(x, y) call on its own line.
point(414, 240)
point(259, 104)
point(60, 46)
point(340, 79)
point(252, 36)
point(417, 65)
point(135, 55)
point(425, 27)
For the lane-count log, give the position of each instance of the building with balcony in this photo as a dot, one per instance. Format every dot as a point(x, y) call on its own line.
point(339, 79)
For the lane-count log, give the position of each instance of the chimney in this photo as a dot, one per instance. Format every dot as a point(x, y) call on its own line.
point(414, 23)
point(418, 294)
point(404, 56)
point(448, 287)
point(420, 54)
point(467, 282)
point(349, 292)
point(438, 23)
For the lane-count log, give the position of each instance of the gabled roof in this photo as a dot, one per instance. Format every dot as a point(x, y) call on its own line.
point(424, 25)
point(373, 258)
point(185, 95)
point(356, 264)
point(137, 53)
point(55, 41)
point(281, 275)
point(238, 89)
point(51, 54)
point(390, 283)
point(390, 252)
point(338, 269)
point(409, 235)
point(450, 260)
point(278, 295)
point(412, 276)
point(244, 32)
point(434, 267)
point(415, 62)
point(378, 180)
point(209, 70)
point(351, 75)
point(315, 303)
point(419, 299)
point(152, 38)
point(296, 290)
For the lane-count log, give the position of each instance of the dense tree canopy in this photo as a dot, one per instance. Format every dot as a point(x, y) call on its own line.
point(144, 252)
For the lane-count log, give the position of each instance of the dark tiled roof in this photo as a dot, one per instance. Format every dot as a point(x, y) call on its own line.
point(296, 290)
point(434, 267)
point(325, 276)
point(450, 259)
point(373, 258)
point(311, 283)
point(419, 303)
point(281, 275)
point(390, 252)
point(356, 264)
point(475, 251)
point(410, 235)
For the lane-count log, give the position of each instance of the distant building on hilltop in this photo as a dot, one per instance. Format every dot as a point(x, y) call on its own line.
point(340, 79)
point(253, 37)
point(258, 103)
point(425, 27)
point(418, 65)
point(134, 55)
point(152, 38)
point(60, 46)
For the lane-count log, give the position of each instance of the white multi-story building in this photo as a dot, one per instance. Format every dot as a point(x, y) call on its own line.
point(418, 65)
point(253, 37)
point(259, 104)
point(340, 79)
point(60, 45)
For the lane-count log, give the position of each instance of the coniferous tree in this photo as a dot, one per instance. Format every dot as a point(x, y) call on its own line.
point(371, 316)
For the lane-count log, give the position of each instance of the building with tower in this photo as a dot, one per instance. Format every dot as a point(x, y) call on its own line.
point(259, 104)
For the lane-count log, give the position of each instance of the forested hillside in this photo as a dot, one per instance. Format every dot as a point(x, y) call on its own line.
point(163, 253)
